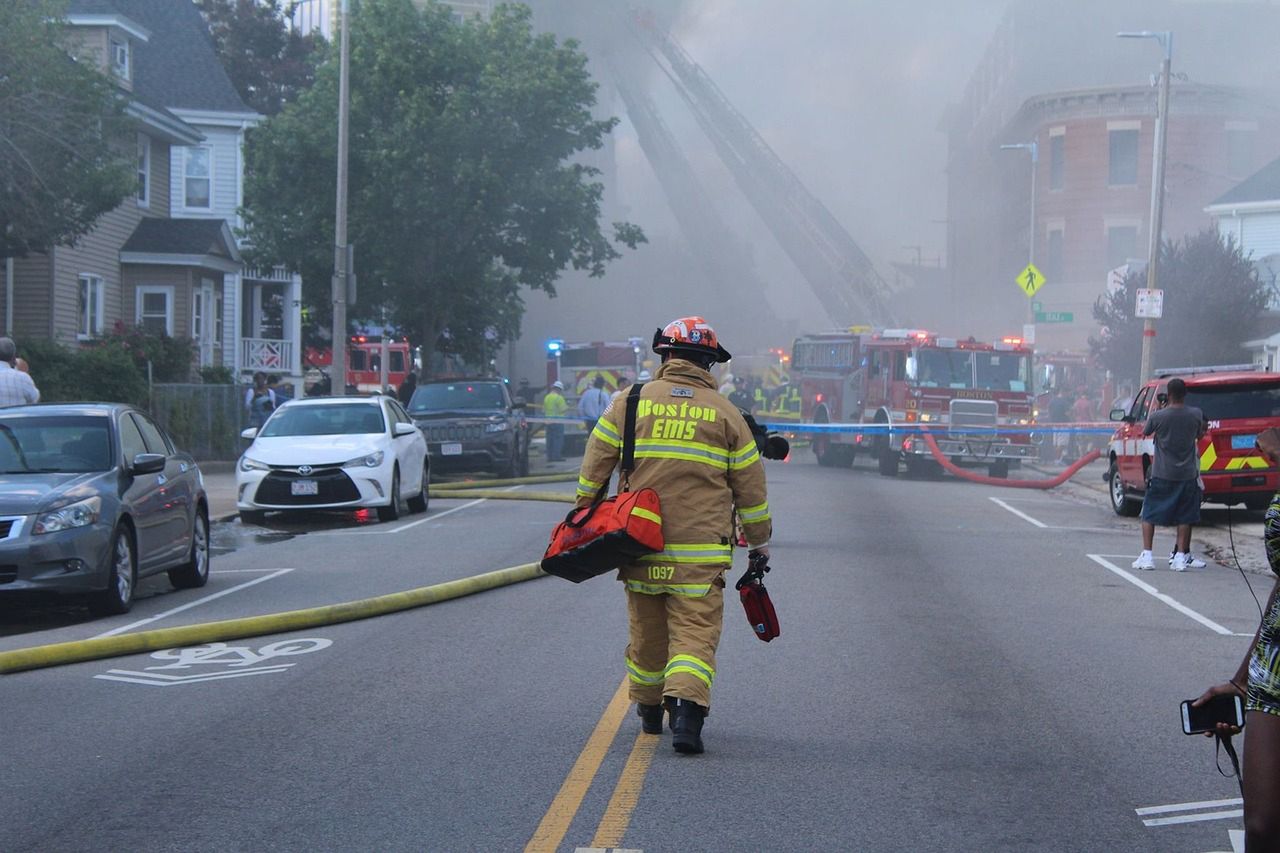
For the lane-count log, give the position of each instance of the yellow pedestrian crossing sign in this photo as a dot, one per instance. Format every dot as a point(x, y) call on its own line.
point(1030, 280)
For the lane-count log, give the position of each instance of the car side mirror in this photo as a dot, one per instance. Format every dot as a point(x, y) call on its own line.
point(1119, 415)
point(251, 433)
point(402, 429)
point(147, 463)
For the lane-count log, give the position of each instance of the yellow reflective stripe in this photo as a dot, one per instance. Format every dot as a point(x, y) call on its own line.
point(606, 433)
point(1246, 462)
point(644, 513)
point(744, 457)
point(692, 665)
point(587, 488)
point(1208, 458)
point(694, 554)
point(689, 456)
point(643, 676)
point(690, 590)
point(710, 449)
point(752, 514)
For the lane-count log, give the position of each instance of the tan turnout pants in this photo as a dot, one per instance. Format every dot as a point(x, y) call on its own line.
point(673, 640)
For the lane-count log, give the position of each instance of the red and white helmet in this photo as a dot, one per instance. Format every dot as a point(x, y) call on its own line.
point(691, 336)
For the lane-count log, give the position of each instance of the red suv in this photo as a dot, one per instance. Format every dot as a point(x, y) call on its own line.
point(1237, 402)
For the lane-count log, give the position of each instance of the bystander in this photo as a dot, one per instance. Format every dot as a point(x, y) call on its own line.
point(1174, 491)
point(16, 386)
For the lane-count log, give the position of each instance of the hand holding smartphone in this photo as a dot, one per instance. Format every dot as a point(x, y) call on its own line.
point(1204, 719)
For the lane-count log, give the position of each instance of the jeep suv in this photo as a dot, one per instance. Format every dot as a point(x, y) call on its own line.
point(1237, 404)
point(472, 424)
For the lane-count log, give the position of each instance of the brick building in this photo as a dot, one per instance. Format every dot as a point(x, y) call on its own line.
point(1093, 123)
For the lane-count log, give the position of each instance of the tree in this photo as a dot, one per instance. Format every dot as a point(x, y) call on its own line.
point(463, 186)
point(62, 124)
point(1212, 301)
point(268, 62)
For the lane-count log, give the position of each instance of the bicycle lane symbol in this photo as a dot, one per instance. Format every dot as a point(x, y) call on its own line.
point(215, 661)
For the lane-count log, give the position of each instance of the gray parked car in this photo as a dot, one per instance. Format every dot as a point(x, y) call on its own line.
point(472, 424)
point(94, 496)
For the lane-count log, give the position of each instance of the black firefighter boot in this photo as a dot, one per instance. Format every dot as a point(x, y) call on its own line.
point(650, 718)
point(686, 726)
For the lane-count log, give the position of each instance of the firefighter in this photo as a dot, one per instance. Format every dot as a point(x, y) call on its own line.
point(694, 448)
point(788, 402)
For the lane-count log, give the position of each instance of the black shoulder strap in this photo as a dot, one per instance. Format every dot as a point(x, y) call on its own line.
point(628, 463)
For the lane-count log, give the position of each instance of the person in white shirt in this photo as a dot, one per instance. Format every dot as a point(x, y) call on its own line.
point(16, 387)
point(593, 403)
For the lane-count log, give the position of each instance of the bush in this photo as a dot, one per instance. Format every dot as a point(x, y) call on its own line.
point(172, 359)
point(217, 376)
point(100, 374)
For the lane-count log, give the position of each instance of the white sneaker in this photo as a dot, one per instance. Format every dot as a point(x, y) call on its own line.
point(1145, 561)
point(1179, 563)
point(1192, 562)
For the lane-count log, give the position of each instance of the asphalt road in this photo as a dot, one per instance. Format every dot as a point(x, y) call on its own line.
point(961, 668)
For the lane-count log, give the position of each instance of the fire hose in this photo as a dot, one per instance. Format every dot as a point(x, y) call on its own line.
point(955, 469)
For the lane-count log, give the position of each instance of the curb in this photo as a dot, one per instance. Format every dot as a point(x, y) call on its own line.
point(78, 651)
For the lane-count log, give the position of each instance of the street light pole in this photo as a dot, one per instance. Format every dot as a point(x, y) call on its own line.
point(1032, 148)
point(341, 267)
point(1157, 188)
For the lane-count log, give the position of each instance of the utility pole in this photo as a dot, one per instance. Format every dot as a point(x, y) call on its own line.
point(341, 254)
point(1032, 148)
point(1157, 188)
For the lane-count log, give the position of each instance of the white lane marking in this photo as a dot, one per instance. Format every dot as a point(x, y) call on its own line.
point(1019, 513)
point(1183, 807)
point(190, 604)
point(1237, 840)
point(1101, 560)
point(151, 680)
point(239, 571)
point(1194, 818)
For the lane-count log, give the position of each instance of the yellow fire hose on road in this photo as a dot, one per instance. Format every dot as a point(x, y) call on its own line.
point(568, 477)
point(465, 494)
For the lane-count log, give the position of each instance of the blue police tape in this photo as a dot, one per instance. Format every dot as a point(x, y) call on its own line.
point(936, 429)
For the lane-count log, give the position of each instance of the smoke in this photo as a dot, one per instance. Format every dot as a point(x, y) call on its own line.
point(853, 95)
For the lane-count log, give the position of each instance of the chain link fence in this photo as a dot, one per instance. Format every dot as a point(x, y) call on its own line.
point(204, 420)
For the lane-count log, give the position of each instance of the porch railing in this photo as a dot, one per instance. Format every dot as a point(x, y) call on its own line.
point(266, 354)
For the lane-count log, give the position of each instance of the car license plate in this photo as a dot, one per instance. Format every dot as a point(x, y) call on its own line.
point(451, 449)
point(305, 487)
point(1243, 442)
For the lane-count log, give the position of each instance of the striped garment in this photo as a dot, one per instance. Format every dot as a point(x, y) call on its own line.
point(1264, 665)
point(16, 387)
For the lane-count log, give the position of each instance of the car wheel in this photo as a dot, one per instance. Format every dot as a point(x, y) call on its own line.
point(195, 572)
point(524, 462)
point(887, 459)
point(391, 511)
point(418, 503)
point(510, 468)
point(122, 577)
point(999, 469)
point(1121, 503)
point(252, 516)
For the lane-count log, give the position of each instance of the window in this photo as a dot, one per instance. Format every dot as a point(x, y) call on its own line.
point(198, 314)
point(217, 321)
point(155, 310)
point(144, 171)
point(120, 58)
point(1123, 170)
point(90, 323)
point(197, 174)
point(131, 443)
point(1240, 151)
point(1053, 256)
point(152, 436)
point(1057, 154)
point(1122, 244)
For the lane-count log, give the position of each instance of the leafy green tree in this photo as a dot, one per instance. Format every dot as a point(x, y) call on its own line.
point(62, 122)
point(268, 62)
point(1212, 303)
point(463, 186)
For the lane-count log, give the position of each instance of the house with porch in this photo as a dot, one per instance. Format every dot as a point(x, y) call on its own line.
point(1250, 213)
point(168, 258)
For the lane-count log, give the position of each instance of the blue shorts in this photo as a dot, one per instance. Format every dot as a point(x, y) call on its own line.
point(1172, 502)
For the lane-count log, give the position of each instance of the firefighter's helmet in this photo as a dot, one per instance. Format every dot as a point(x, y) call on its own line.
point(690, 336)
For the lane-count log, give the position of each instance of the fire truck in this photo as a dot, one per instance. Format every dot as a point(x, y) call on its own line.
point(967, 389)
point(578, 365)
point(364, 361)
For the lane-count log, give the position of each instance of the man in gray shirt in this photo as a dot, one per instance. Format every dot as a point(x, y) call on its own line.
point(1173, 489)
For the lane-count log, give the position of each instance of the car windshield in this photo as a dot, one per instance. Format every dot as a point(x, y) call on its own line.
point(53, 444)
point(457, 395)
point(944, 368)
point(1001, 371)
point(335, 419)
point(1224, 402)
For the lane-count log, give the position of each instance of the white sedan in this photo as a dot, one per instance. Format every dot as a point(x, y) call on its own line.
point(334, 453)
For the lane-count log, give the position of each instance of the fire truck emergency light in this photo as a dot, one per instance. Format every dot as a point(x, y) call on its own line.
point(555, 345)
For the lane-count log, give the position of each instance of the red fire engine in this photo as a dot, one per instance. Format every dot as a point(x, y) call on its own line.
point(914, 378)
point(364, 361)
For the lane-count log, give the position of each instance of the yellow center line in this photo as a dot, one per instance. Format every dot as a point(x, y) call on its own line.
point(555, 823)
point(617, 816)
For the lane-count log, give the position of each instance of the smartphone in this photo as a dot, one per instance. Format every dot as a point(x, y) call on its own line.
point(1223, 708)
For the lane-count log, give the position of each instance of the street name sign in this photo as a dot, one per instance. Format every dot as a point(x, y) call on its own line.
point(1030, 280)
point(1150, 304)
point(1055, 317)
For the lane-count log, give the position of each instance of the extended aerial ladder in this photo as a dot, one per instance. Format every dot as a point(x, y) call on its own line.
point(839, 272)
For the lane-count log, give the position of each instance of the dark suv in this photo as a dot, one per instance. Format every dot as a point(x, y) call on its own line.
point(472, 424)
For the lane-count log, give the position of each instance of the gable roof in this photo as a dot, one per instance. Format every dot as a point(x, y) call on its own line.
point(182, 242)
point(177, 68)
point(1263, 185)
